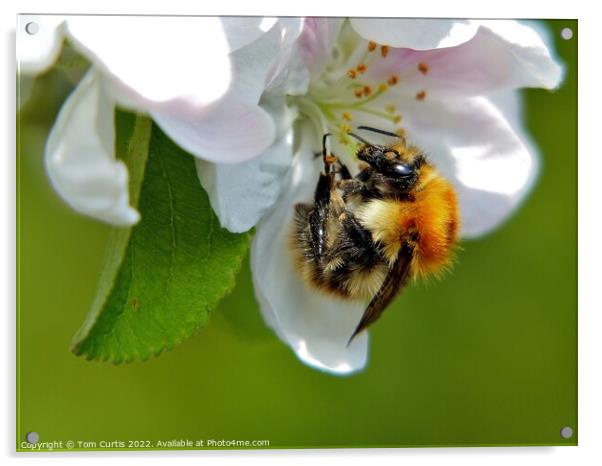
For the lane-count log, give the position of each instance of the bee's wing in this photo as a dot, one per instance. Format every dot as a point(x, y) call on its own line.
point(395, 280)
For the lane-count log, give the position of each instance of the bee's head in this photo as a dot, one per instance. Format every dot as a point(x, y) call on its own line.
point(390, 163)
point(387, 161)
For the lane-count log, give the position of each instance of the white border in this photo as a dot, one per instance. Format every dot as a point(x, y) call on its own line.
point(590, 228)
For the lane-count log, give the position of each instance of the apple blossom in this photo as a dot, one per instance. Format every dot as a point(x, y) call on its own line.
point(251, 99)
point(450, 86)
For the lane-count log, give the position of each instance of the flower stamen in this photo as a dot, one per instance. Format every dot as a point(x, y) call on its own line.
point(423, 68)
point(345, 127)
point(393, 80)
point(384, 50)
point(371, 46)
point(420, 96)
point(351, 73)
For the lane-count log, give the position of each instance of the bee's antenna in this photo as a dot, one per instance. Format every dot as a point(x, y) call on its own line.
point(361, 139)
point(380, 131)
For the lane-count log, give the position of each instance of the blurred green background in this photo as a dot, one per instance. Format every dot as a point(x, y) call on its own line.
point(487, 356)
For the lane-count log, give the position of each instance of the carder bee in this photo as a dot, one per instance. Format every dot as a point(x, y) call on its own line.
point(365, 236)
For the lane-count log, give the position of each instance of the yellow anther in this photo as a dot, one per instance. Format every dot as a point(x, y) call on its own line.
point(351, 73)
point(396, 119)
point(371, 46)
point(423, 68)
point(382, 87)
point(344, 139)
point(421, 95)
point(367, 90)
point(345, 128)
point(384, 50)
point(400, 132)
point(358, 92)
point(347, 116)
point(390, 108)
point(362, 68)
point(393, 80)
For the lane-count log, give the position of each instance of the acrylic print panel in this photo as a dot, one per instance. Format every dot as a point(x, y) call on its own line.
point(171, 295)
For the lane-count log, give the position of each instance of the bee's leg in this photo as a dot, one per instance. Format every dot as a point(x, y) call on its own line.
point(350, 187)
point(356, 185)
point(342, 170)
point(358, 237)
point(328, 158)
point(319, 215)
point(328, 204)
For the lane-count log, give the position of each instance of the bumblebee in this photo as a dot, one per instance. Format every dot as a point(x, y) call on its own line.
point(365, 236)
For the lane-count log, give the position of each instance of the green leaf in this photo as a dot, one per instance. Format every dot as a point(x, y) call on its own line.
point(160, 279)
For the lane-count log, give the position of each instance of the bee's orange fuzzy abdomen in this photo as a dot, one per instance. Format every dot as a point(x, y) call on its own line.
point(436, 217)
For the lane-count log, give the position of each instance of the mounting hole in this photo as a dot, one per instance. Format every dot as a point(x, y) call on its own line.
point(32, 28)
point(32, 437)
point(566, 432)
point(566, 33)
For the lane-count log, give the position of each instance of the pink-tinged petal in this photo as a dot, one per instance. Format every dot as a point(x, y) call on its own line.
point(503, 55)
point(227, 132)
point(38, 49)
point(472, 144)
point(315, 326)
point(415, 33)
point(317, 41)
point(80, 158)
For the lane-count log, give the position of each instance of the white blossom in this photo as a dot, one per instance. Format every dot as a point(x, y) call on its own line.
point(251, 99)
point(451, 86)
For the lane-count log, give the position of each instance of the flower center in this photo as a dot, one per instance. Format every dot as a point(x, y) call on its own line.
point(346, 92)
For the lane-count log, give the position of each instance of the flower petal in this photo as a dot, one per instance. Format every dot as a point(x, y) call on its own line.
point(80, 156)
point(155, 60)
point(242, 193)
point(242, 30)
point(317, 41)
point(526, 49)
point(257, 64)
point(235, 128)
point(315, 326)
point(288, 73)
point(414, 33)
point(227, 132)
point(503, 55)
point(37, 51)
point(473, 145)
